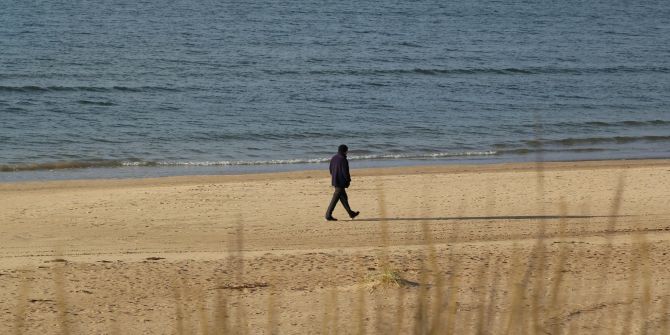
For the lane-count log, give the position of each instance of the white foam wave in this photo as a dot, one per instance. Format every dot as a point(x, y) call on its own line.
point(426, 156)
point(308, 160)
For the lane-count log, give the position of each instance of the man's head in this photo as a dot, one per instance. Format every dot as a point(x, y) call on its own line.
point(342, 149)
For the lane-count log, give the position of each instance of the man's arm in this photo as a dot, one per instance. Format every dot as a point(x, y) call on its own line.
point(347, 176)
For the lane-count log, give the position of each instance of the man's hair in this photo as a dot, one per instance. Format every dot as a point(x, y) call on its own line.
point(342, 148)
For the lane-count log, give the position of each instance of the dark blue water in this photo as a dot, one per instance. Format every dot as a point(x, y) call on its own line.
point(141, 88)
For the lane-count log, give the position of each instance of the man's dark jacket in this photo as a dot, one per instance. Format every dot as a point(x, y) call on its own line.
point(339, 170)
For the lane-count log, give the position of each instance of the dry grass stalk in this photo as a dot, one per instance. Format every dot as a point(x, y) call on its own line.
point(360, 311)
point(452, 305)
point(572, 296)
point(535, 269)
point(515, 323)
point(241, 324)
point(438, 280)
point(487, 271)
point(388, 275)
point(272, 327)
point(61, 298)
point(381, 199)
point(331, 315)
point(665, 320)
point(537, 260)
point(21, 310)
point(516, 289)
point(400, 311)
point(177, 290)
point(202, 312)
point(336, 314)
point(539, 165)
point(400, 306)
point(645, 304)
point(480, 281)
point(453, 285)
point(221, 317)
point(557, 279)
point(422, 316)
point(452, 301)
point(360, 302)
point(325, 322)
point(491, 301)
point(630, 292)
point(609, 248)
point(576, 261)
point(421, 319)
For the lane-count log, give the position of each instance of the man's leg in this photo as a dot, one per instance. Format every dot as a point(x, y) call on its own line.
point(344, 198)
point(333, 202)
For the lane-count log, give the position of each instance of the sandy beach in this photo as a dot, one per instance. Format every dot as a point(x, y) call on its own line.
point(252, 253)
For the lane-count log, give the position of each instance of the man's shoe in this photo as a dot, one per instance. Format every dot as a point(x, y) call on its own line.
point(331, 219)
point(354, 214)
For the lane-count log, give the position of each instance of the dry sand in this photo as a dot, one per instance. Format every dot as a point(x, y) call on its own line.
point(154, 256)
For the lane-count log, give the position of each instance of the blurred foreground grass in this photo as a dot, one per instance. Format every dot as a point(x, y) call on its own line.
point(541, 289)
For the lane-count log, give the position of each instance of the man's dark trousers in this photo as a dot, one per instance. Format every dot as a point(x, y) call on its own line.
point(339, 195)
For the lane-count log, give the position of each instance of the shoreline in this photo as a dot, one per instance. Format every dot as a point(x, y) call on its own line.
point(356, 172)
point(158, 171)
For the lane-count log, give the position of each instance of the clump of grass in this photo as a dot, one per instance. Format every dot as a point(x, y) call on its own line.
point(387, 278)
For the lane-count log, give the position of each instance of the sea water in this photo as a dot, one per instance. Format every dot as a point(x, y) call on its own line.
point(92, 89)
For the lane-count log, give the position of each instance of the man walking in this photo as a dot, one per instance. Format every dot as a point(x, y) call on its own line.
point(339, 171)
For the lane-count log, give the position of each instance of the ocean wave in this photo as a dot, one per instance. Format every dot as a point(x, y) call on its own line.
point(42, 89)
point(563, 127)
point(96, 103)
point(597, 140)
point(60, 165)
point(474, 71)
point(315, 160)
point(217, 135)
point(142, 163)
point(605, 124)
point(424, 156)
point(526, 151)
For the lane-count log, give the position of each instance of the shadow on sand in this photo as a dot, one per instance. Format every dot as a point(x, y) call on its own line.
point(503, 217)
